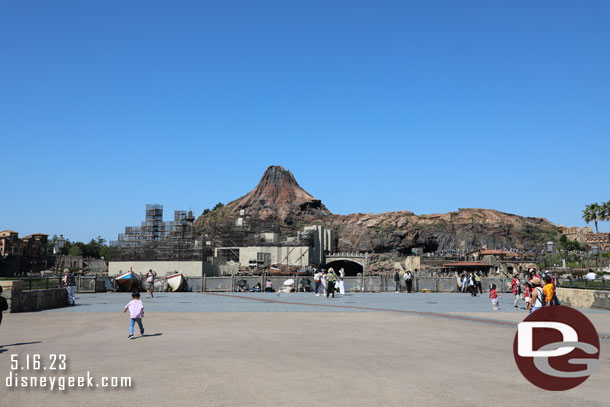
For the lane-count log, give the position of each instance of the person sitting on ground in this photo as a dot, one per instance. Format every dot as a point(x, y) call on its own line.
point(256, 288)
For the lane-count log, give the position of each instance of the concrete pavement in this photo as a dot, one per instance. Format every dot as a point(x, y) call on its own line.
point(252, 350)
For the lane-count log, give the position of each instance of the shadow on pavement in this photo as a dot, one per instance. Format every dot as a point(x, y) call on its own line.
point(2, 347)
point(148, 335)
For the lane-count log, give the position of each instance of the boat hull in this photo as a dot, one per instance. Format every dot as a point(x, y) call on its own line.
point(127, 282)
point(176, 282)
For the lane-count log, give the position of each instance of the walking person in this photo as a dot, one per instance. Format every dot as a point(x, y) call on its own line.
point(471, 285)
point(150, 283)
point(408, 281)
point(464, 283)
point(324, 282)
point(316, 279)
point(3, 304)
point(516, 288)
point(341, 282)
point(537, 299)
point(330, 285)
point(136, 313)
point(548, 290)
point(397, 281)
point(555, 300)
point(477, 282)
point(70, 284)
point(493, 294)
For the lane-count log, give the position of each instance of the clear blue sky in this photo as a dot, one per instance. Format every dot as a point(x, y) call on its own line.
point(374, 106)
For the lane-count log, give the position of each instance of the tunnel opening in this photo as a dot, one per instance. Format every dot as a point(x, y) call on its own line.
point(351, 267)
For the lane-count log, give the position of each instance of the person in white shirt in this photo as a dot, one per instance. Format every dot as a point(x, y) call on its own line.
point(341, 284)
point(317, 280)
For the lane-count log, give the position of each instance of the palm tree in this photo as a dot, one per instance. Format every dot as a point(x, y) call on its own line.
point(591, 213)
point(604, 212)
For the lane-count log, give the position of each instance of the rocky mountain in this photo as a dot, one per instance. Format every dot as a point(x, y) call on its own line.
point(279, 199)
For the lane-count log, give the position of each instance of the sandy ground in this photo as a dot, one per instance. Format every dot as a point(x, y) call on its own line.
point(281, 358)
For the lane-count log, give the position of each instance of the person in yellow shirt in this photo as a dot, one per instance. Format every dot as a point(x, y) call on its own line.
point(548, 289)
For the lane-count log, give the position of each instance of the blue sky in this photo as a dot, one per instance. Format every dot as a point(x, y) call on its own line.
point(374, 106)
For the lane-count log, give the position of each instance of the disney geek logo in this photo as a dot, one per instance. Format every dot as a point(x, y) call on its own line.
point(556, 348)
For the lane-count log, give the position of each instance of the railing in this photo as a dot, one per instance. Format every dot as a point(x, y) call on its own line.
point(39, 283)
point(583, 283)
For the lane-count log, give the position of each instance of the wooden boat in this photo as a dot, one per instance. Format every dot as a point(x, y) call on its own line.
point(176, 282)
point(277, 271)
point(127, 281)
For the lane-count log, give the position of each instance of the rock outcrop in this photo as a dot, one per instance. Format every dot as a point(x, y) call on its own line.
point(278, 198)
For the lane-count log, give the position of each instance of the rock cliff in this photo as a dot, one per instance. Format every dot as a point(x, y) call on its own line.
point(279, 199)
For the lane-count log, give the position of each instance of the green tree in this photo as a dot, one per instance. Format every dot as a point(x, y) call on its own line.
point(218, 206)
point(75, 250)
point(591, 213)
point(604, 211)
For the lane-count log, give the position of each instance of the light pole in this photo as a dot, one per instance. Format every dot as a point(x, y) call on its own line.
point(59, 245)
point(549, 249)
point(595, 251)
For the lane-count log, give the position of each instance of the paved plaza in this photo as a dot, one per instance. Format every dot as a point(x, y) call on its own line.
point(255, 349)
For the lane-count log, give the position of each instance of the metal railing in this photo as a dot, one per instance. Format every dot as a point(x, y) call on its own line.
point(39, 283)
point(583, 283)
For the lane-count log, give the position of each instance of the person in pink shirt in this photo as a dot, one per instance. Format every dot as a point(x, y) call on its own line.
point(136, 312)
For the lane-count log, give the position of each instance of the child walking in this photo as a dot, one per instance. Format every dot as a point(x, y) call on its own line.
point(493, 294)
point(136, 312)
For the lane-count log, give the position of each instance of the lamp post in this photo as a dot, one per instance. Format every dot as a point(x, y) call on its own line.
point(59, 245)
point(595, 251)
point(549, 248)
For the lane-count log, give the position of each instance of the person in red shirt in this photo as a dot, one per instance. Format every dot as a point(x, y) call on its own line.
point(516, 287)
point(493, 294)
point(527, 293)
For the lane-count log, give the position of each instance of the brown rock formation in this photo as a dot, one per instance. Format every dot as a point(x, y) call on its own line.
point(278, 198)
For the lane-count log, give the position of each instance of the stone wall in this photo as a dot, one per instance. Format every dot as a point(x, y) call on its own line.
point(11, 290)
point(37, 300)
point(34, 300)
point(580, 298)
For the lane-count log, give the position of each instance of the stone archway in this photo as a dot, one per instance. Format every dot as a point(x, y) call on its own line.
point(351, 268)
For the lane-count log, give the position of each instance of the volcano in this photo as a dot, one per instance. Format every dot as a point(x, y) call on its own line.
point(279, 200)
point(279, 197)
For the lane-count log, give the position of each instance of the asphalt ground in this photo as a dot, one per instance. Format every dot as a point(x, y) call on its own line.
point(247, 349)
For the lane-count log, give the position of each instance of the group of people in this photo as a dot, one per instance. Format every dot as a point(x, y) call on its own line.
point(407, 276)
point(537, 292)
point(326, 282)
point(471, 283)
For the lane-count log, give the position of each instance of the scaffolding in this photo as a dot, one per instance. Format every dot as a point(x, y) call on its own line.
point(155, 240)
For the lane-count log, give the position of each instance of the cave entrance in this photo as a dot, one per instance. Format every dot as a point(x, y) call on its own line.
point(351, 267)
